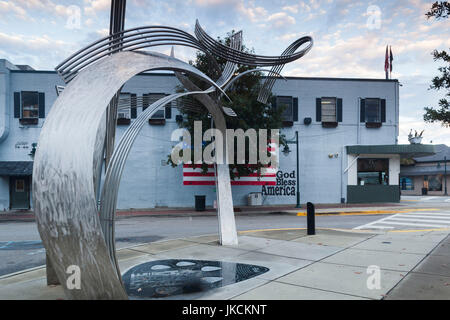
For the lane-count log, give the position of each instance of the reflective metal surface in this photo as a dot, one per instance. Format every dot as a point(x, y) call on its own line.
point(164, 278)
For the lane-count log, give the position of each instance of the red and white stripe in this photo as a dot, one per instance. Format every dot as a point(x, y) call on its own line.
point(194, 176)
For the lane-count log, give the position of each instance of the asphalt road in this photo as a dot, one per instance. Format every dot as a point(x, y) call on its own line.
point(20, 246)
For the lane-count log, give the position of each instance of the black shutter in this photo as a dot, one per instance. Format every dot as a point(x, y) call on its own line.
point(168, 112)
point(145, 98)
point(339, 109)
point(274, 103)
point(362, 112)
point(133, 106)
point(318, 109)
point(295, 109)
point(16, 104)
point(383, 110)
point(41, 105)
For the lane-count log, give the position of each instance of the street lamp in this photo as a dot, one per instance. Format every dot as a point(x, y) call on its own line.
point(445, 174)
point(286, 151)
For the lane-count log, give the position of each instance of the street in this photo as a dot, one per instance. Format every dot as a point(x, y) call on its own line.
point(21, 248)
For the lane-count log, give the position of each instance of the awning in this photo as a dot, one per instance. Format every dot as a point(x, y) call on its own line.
point(404, 150)
point(16, 168)
point(422, 170)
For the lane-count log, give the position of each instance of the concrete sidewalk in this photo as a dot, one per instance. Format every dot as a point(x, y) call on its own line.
point(329, 265)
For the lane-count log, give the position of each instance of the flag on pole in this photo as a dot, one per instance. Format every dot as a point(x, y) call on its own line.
point(386, 63)
point(391, 58)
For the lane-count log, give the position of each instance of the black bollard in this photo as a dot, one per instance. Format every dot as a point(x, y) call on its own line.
point(310, 218)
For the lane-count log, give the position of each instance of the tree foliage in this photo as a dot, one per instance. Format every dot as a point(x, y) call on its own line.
point(440, 10)
point(243, 95)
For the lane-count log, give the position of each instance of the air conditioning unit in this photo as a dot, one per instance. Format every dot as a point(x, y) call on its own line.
point(254, 199)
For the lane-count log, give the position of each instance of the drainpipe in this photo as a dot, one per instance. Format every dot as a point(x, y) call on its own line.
point(358, 132)
point(4, 102)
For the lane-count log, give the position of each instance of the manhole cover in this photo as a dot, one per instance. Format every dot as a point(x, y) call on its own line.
point(163, 278)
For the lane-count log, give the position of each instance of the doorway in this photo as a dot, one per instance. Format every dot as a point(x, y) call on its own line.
point(19, 192)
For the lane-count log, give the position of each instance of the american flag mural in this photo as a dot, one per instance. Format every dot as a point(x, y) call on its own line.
point(193, 175)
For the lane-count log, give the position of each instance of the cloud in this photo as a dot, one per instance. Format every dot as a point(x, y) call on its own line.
point(9, 7)
point(292, 9)
point(94, 6)
point(280, 19)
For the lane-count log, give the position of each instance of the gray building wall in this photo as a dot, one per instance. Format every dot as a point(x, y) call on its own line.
point(148, 182)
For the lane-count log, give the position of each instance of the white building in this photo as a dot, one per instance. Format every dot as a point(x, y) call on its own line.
point(347, 128)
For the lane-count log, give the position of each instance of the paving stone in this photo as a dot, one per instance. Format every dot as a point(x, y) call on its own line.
point(435, 264)
point(282, 291)
point(301, 250)
point(342, 279)
point(157, 247)
point(384, 259)
point(417, 286)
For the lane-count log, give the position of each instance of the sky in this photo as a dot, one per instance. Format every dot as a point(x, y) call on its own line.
point(350, 38)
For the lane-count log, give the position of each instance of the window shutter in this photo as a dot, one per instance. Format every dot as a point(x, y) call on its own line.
point(133, 106)
point(339, 109)
point(145, 100)
point(295, 109)
point(168, 113)
point(383, 110)
point(362, 112)
point(274, 103)
point(41, 105)
point(318, 109)
point(16, 104)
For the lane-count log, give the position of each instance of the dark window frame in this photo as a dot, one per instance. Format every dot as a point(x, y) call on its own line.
point(381, 117)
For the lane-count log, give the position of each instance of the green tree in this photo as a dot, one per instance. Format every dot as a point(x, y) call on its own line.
point(440, 10)
point(243, 95)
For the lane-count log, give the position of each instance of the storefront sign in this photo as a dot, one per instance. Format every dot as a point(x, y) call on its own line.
point(286, 183)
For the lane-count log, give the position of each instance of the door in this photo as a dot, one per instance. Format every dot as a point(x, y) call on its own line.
point(19, 192)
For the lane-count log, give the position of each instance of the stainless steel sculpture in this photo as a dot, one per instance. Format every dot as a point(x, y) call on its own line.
point(74, 230)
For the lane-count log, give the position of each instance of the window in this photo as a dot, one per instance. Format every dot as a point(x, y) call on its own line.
point(124, 109)
point(329, 111)
point(373, 112)
point(290, 109)
point(373, 171)
point(30, 105)
point(435, 182)
point(407, 183)
point(160, 116)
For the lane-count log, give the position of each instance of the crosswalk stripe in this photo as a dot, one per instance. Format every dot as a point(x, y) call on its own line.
point(420, 220)
point(423, 216)
point(415, 224)
point(427, 213)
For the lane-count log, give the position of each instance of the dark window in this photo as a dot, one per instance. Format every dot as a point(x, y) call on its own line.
point(373, 171)
point(123, 111)
point(287, 104)
point(30, 105)
point(373, 110)
point(407, 183)
point(153, 97)
point(435, 182)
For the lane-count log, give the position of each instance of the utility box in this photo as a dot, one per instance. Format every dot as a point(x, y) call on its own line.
point(254, 199)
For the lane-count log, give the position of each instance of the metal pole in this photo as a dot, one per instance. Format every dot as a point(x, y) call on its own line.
point(298, 172)
point(310, 219)
point(445, 175)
